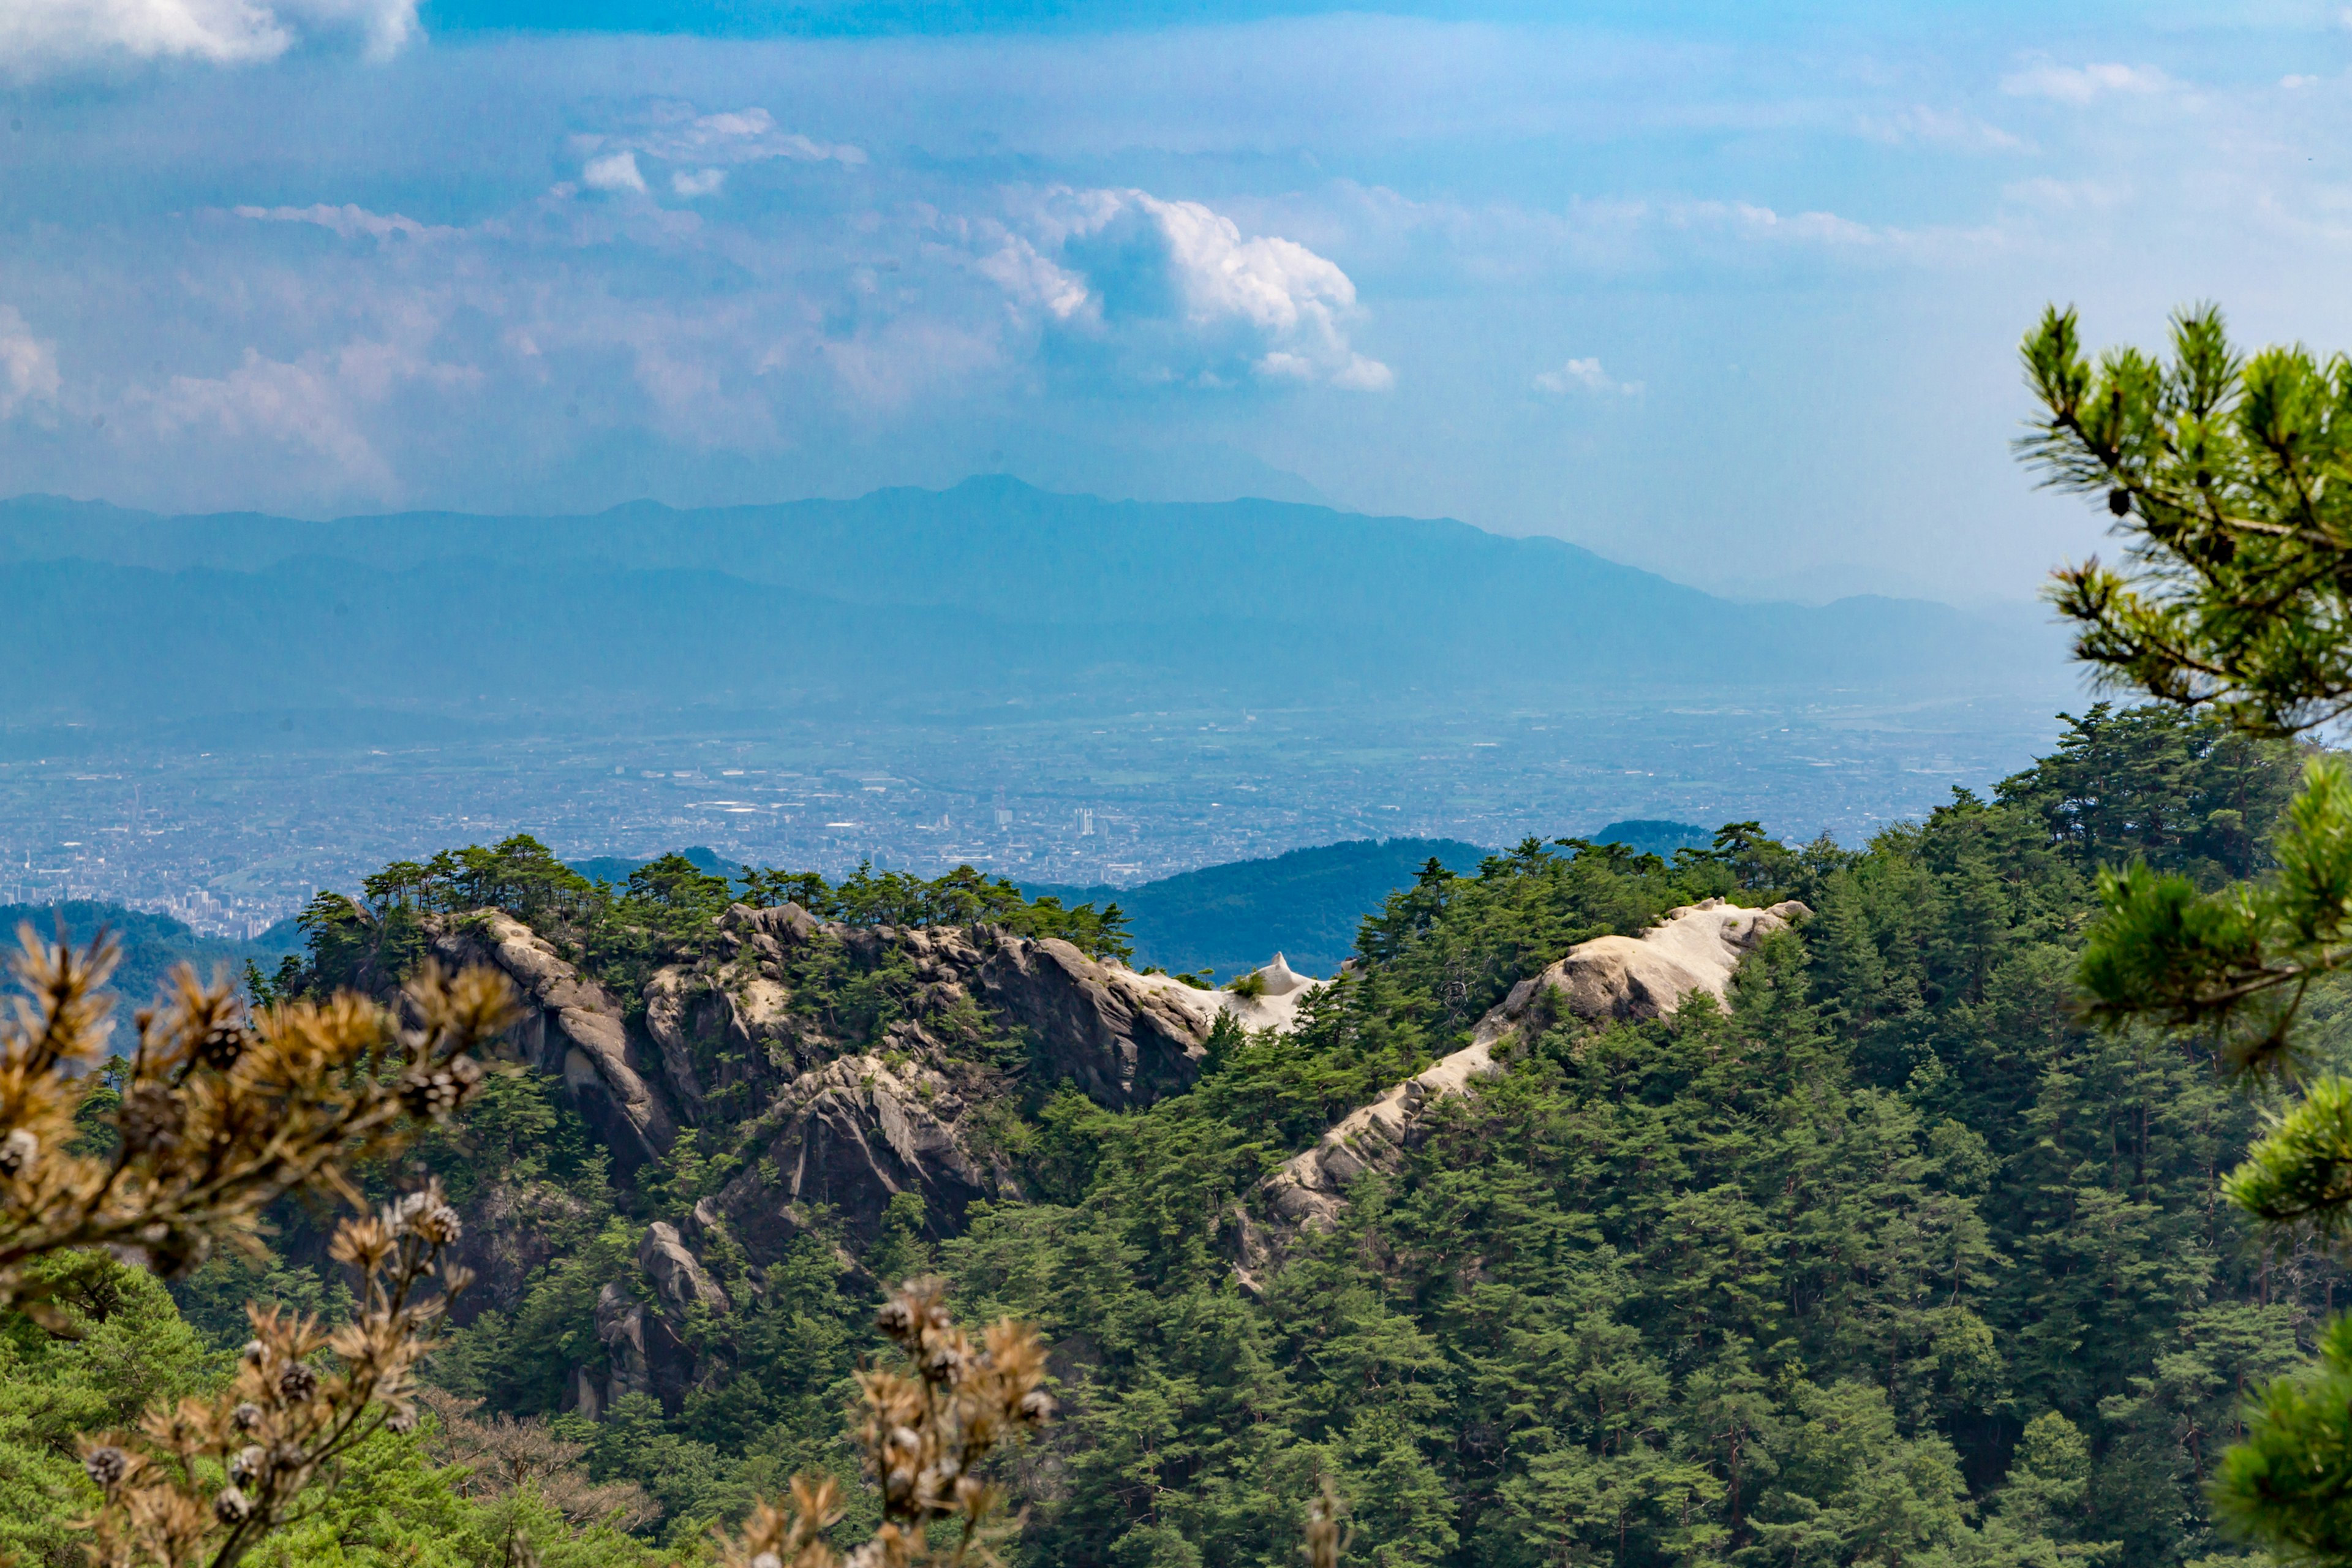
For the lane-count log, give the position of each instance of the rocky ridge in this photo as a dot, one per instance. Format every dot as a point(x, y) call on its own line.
point(1697, 948)
point(828, 1116)
point(826, 1113)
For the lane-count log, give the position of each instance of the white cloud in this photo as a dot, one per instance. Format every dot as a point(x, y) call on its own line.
point(348, 221)
point(2296, 83)
point(28, 365)
point(1585, 376)
point(2063, 196)
point(1941, 128)
point(692, 183)
point(1031, 279)
point(676, 134)
point(1127, 252)
point(42, 35)
point(613, 171)
point(2082, 84)
point(296, 403)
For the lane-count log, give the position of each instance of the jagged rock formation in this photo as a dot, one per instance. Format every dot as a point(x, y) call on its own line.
point(1695, 948)
point(832, 1106)
point(848, 1136)
point(574, 1029)
point(676, 1273)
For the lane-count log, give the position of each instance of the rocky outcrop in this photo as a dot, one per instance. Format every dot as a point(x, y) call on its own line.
point(1123, 1040)
point(1695, 948)
point(572, 1029)
point(511, 1230)
point(643, 1356)
point(677, 1274)
point(833, 1108)
point(848, 1137)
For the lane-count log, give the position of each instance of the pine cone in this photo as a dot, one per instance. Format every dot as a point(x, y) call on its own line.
point(106, 1466)
point(149, 1119)
point(222, 1044)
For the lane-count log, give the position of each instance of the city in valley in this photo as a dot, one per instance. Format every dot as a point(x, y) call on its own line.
point(234, 839)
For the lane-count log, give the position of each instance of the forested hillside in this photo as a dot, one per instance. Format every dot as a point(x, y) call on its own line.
point(1306, 904)
point(151, 944)
point(1890, 1262)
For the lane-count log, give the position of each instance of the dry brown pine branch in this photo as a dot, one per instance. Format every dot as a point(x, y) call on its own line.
point(203, 1481)
point(221, 1113)
point(925, 1433)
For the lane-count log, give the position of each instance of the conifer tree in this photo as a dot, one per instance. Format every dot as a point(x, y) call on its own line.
point(2229, 480)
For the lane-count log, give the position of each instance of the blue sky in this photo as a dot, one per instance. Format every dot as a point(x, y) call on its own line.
point(1732, 296)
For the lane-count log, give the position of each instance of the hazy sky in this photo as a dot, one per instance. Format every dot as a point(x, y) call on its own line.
point(1736, 299)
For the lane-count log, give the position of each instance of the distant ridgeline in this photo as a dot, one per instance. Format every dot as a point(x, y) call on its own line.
point(615, 868)
point(1306, 904)
point(995, 588)
point(150, 943)
point(1659, 838)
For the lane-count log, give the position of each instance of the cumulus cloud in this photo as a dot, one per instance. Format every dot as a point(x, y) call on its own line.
point(1585, 376)
point(38, 37)
point(348, 221)
point(701, 146)
point(299, 402)
point(2082, 84)
point(1030, 279)
point(679, 135)
point(316, 403)
point(613, 172)
point(28, 365)
point(1122, 259)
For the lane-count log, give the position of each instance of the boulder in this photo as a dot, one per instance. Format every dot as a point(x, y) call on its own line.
point(645, 1355)
point(678, 1276)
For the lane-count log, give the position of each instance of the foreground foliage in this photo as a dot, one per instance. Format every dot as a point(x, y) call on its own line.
point(2229, 475)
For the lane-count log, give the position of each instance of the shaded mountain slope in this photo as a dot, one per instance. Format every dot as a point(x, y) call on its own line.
point(1304, 904)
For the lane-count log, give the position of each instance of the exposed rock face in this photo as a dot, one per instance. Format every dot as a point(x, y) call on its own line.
point(1121, 1040)
point(830, 1107)
point(572, 1029)
point(645, 1353)
point(850, 1135)
point(1696, 948)
point(676, 1274)
point(509, 1231)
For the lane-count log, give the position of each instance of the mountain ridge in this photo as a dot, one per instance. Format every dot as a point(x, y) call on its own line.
point(991, 588)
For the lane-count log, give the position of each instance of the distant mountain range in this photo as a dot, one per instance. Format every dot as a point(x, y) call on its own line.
point(990, 592)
